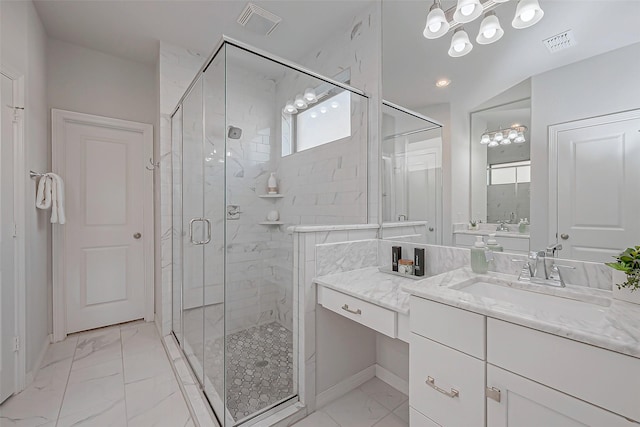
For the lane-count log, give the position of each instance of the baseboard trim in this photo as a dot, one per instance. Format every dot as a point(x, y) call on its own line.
point(345, 386)
point(31, 375)
point(392, 379)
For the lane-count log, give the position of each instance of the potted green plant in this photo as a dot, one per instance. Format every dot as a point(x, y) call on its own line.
point(473, 224)
point(626, 275)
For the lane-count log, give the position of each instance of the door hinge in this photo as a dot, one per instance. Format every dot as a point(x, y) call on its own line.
point(15, 230)
point(16, 343)
point(493, 393)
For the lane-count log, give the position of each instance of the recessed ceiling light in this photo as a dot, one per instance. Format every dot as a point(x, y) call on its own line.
point(443, 83)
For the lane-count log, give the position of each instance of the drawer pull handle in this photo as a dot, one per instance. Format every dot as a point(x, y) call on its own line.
point(346, 308)
point(432, 383)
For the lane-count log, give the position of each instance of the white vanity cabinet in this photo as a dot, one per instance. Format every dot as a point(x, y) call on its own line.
point(470, 370)
point(525, 403)
point(446, 365)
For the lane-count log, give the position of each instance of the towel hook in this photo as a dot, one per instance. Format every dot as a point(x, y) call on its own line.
point(34, 175)
point(154, 165)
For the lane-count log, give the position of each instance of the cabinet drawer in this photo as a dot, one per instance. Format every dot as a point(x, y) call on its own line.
point(598, 376)
point(370, 315)
point(416, 419)
point(446, 385)
point(453, 327)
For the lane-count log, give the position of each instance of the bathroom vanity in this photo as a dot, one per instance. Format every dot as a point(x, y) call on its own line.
point(536, 355)
point(488, 350)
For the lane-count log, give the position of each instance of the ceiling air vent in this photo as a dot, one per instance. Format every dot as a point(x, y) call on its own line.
point(256, 19)
point(560, 41)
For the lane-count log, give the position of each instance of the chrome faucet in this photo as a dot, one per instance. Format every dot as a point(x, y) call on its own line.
point(402, 217)
point(540, 269)
point(502, 226)
point(551, 250)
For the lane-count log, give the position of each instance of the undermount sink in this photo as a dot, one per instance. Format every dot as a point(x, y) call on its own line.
point(591, 310)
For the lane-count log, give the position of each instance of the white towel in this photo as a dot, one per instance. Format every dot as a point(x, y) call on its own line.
point(51, 195)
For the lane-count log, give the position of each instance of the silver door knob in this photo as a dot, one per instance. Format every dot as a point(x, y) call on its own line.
point(137, 236)
point(564, 236)
point(431, 228)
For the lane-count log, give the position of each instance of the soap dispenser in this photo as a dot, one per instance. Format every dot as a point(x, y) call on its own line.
point(522, 227)
point(479, 263)
point(492, 243)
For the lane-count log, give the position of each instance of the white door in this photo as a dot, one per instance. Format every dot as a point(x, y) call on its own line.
point(524, 403)
point(598, 175)
point(106, 242)
point(7, 248)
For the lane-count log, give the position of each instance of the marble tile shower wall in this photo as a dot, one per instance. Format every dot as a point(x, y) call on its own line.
point(358, 48)
point(253, 250)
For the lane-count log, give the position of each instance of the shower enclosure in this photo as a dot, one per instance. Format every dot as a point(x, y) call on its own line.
point(412, 170)
point(244, 117)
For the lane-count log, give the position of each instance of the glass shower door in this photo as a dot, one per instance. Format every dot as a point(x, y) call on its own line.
point(214, 154)
point(194, 230)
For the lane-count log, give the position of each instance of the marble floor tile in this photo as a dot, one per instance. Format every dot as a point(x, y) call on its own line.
point(112, 415)
point(317, 419)
point(156, 401)
point(39, 404)
point(356, 409)
point(139, 338)
point(82, 383)
point(94, 393)
point(101, 346)
point(145, 364)
point(402, 412)
point(383, 393)
point(391, 420)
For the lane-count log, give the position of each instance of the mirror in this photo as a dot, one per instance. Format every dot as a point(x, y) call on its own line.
point(578, 67)
point(501, 164)
point(411, 175)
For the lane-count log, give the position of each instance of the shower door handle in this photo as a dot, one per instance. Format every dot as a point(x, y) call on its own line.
point(199, 242)
point(208, 239)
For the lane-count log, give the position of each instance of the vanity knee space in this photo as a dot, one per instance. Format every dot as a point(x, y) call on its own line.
point(468, 370)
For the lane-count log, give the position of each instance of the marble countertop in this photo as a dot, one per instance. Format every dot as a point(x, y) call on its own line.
point(618, 329)
point(316, 228)
point(371, 285)
point(512, 234)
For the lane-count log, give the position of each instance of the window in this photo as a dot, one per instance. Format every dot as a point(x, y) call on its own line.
point(509, 173)
point(327, 121)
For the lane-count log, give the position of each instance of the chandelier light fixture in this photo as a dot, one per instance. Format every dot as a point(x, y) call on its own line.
point(440, 22)
point(496, 138)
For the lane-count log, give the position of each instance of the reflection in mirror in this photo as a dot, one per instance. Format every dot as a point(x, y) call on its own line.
point(411, 175)
point(501, 164)
point(584, 102)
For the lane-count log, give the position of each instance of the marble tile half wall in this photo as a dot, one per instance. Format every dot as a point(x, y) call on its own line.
point(322, 250)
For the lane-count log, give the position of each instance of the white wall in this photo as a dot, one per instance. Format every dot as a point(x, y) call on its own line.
point(343, 348)
point(393, 355)
point(23, 48)
point(92, 82)
point(600, 85)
